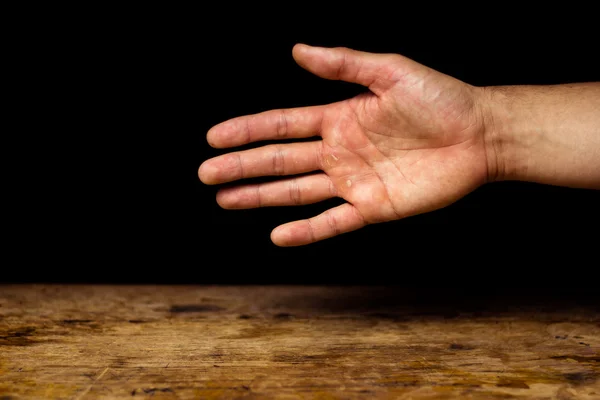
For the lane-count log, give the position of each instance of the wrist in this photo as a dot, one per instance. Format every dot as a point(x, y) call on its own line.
point(505, 133)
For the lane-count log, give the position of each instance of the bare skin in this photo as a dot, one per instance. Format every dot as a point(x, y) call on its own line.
point(418, 141)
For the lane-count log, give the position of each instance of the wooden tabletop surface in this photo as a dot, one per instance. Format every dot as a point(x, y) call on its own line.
point(291, 342)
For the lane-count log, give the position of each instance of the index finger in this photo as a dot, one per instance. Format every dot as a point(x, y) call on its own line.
point(288, 123)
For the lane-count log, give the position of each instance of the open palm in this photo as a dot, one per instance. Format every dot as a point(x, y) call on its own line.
point(413, 144)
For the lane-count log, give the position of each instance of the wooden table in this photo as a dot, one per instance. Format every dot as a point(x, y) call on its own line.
point(291, 342)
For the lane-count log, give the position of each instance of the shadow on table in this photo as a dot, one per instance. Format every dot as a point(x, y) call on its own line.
point(399, 302)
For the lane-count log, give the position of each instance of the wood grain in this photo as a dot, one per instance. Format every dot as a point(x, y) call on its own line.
point(291, 342)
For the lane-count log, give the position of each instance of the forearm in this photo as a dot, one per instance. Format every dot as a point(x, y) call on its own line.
point(544, 134)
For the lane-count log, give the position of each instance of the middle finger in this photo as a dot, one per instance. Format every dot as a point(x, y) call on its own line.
point(275, 159)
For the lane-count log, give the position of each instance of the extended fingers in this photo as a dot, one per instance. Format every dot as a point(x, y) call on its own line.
point(276, 159)
point(269, 125)
point(286, 192)
point(335, 221)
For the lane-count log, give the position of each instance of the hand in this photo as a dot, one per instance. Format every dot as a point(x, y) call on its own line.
point(413, 144)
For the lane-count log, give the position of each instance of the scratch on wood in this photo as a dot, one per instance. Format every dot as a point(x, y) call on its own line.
point(92, 384)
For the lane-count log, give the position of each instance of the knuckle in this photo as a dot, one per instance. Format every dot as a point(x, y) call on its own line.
point(332, 189)
point(258, 195)
point(311, 230)
point(282, 124)
point(343, 65)
point(233, 166)
point(332, 222)
point(320, 155)
point(246, 129)
point(240, 164)
point(278, 160)
point(294, 191)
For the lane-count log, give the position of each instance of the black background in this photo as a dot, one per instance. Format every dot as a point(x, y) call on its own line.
point(114, 106)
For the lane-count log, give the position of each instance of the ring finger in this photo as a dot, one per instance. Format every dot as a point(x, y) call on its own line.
point(286, 192)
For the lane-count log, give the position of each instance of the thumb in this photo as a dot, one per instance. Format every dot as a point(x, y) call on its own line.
point(376, 71)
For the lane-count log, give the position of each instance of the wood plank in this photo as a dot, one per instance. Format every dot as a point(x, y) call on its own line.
point(290, 342)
